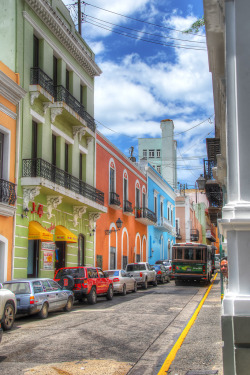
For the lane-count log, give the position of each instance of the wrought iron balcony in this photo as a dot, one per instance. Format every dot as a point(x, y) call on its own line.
point(194, 235)
point(208, 169)
point(63, 95)
point(127, 208)
point(38, 77)
point(114, 200)
point(41, 168)
point(145, 216)
point(7, 192)
point(165, 225)
point(178, 235)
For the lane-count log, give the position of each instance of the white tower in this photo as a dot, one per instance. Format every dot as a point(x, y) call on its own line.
point(168, 150)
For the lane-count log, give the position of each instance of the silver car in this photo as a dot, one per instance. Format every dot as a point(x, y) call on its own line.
point(7, 309)
point(122, 282)
point(40, 296)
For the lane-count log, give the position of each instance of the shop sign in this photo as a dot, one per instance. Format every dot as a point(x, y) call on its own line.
point(48, 246)
point(48, 260)
point(39, 211)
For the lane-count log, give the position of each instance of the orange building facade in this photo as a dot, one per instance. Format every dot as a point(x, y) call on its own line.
point(125, 188)
point(10, 95)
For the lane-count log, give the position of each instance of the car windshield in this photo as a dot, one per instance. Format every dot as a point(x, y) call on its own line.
point(157, 267)
point(136, 267)
point(112, 273)
point(70, 271)
point(18, 288)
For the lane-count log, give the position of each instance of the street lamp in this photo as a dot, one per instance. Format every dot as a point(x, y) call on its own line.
point(200, 183)
point(118, 224)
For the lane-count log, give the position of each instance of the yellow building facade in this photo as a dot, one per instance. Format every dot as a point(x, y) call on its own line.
point(10, 96)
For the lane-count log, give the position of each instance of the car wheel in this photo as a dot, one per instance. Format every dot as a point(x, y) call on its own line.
point(43, 313)
point(155, 282)
point(8, 316)
point(69, 305)
point(92, 297)
point(145, 284)
point(135, 288)
point(124, 290)
point(110, 293)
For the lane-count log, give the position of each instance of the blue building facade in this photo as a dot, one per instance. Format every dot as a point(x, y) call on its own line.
point(161, 200)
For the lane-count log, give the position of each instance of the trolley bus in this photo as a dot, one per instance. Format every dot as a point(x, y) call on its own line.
point(192, 261)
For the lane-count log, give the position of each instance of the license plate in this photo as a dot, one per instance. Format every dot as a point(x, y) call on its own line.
point(189, 269)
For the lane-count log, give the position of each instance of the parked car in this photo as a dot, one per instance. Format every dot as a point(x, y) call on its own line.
point(122, 281)
point(143, 273)
point(162, 274)
point(40, 295)
point(88, 282)
point(8, 307)
point(167, 263)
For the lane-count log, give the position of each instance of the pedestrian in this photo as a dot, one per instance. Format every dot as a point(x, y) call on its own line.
point(224, 271)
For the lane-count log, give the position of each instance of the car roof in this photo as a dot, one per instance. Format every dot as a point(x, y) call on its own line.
point(27, 280)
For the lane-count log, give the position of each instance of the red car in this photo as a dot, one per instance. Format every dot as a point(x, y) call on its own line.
point(88, 282)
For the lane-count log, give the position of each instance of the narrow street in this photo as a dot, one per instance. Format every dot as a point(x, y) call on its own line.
point(132, 334)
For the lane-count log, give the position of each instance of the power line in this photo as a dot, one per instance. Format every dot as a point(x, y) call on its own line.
point(143, 32)
point(209, 118)
point(135, 19)
point(146, 40)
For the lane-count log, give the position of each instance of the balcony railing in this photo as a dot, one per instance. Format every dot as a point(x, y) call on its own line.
point(127, 207)
point(41, 168)
point(208, 169)
point(38, 77)
point(7, 192)
point(63, 95)
point(178, 235)
point(114, 199)
point(194, 235)
point(145, 213)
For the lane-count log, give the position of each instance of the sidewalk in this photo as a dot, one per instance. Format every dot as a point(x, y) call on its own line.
point(201, 351)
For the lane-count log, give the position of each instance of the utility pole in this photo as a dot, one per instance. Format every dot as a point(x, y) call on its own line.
point(79, 18)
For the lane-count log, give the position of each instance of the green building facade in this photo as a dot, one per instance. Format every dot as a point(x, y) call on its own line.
point(57, 202)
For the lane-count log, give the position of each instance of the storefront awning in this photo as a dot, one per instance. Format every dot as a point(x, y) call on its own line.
point(37, 232)
point(63, 234)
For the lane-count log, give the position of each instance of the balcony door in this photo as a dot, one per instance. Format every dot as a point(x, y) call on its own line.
point(33, 258)
point(112, 180)
point(1, 154)
point(81, 250)
point(112, 258)
point(60, 254)
point(125, 190)
point(137, 198)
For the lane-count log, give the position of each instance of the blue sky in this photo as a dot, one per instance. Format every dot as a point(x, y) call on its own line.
point(143, 83)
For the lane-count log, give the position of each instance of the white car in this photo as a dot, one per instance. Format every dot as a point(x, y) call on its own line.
point(122, 282)
point(8, 308)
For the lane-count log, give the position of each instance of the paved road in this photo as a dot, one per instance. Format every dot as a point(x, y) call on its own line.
point(130, 335)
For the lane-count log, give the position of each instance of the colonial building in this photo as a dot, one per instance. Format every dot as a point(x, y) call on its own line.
point(161, 152)
point(57, 203)
point(10, 95)
point(161, 200)
point(121, 233)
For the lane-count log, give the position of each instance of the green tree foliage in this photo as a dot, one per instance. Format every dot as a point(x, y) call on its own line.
point(195, 27)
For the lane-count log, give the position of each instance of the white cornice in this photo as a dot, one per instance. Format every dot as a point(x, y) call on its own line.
point(60, 133)
point(126, 164)
point(38, 118)
point(7, 111)
point(161, 182)
point(48, 15)
point(83, 150)
point(10, 89)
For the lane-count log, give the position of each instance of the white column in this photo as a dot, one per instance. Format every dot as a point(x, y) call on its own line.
point(235, 223)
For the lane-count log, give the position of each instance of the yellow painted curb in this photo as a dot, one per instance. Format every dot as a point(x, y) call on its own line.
point(177, 345)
